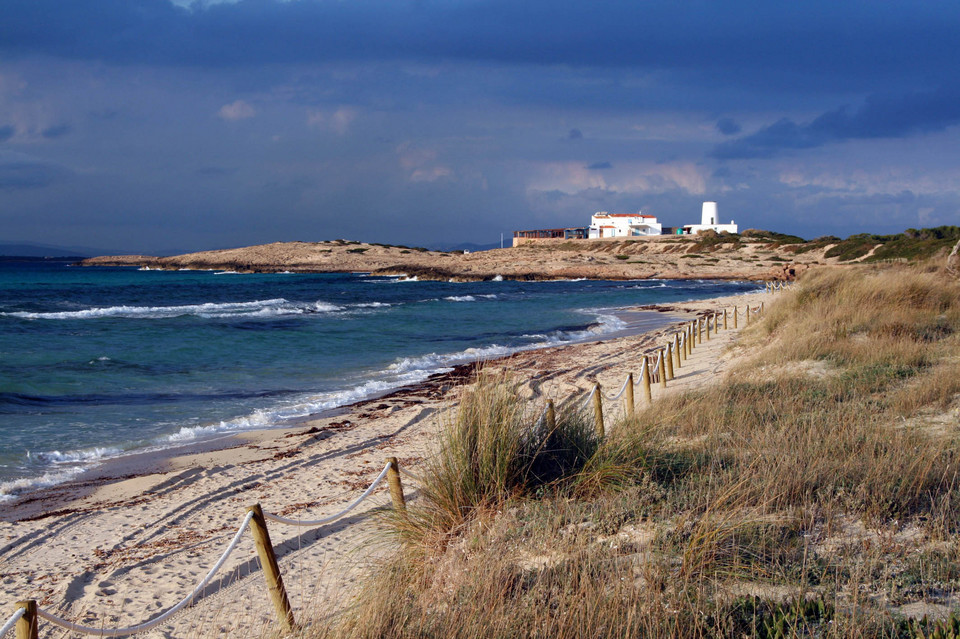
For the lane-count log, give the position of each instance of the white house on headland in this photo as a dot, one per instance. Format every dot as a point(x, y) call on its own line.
point(709, 222)
point(605, 224)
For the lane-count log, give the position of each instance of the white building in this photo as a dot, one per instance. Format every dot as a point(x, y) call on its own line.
point(708, 222)
point(605, 224)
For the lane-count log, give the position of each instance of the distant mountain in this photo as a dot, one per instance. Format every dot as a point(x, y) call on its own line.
point(45, 250)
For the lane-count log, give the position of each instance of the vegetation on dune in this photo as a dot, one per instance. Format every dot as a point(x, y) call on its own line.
point(814, 492)
point(912, 244)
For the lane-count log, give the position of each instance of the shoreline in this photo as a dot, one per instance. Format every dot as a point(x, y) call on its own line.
point(31, 503)
point(117, 551)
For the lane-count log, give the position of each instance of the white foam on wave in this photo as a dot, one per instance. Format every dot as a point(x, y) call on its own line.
point(259, 308)
point(65, 466)
point(461, 298)
point(10, 490)
point(498, 278)
point(227, 273)
point(75, 456)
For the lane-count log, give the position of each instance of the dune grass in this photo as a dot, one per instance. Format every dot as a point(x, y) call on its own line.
point(813, 492)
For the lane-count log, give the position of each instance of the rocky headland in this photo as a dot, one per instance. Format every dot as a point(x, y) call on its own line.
point(751, 257)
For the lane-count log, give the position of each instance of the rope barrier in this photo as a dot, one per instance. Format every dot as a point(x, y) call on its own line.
point(327, 520)
point(639, 378)
point(589, 397)
point(12, 621)
point(412, 476)
point(156, 621)
point(543, 415)
point(622, 389)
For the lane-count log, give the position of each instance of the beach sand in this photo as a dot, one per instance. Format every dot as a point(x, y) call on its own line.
point(120, 546)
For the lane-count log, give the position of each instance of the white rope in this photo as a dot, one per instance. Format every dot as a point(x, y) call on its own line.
point(639, 378)
point(589, 397)
point(156, 621)
point(12, 621)
point(656, 368)
point(327, 520)
point(622, 389)
point(543, 415)
point(412, 476)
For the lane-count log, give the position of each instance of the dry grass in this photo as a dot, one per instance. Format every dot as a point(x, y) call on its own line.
point(777, 503)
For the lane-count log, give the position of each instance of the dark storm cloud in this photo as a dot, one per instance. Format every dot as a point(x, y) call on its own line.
point(599, 166)
point(881, 116)
point(811, 37)
point(728, 126)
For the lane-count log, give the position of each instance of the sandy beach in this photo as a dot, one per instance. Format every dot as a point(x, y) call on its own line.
point(127, 541)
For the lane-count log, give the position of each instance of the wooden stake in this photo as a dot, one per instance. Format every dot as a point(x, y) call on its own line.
point(708, 329)
point(551, 416)
point(668, 360)
point(735, 313)
point(724, 319)
point(716, 323)
point(676, 351)
point(396, 488)
point(598, 410)
point(271, 570)
point(645, 378)
point(27, 626)
point(629, 396)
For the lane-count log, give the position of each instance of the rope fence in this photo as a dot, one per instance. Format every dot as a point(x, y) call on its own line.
point(25, 620)
point(669, 358)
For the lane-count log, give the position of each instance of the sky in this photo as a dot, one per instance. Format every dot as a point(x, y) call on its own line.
point(160, 126)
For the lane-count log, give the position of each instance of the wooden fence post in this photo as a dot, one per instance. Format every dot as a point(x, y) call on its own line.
point(748, 315)
point(716, 323)
point(271, 570)
point(700, 331)
point(761, 309)
point(724, 319)
point(27, 626)
point(676, 351)
point(629, 396)
point(551, 416)
point(708, 329)
point(396, 488)
point(598, 409)
point(668, 358)
point(735, 313)
point(645, 378)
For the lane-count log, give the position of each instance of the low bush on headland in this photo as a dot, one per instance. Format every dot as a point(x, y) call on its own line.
point(814, 492)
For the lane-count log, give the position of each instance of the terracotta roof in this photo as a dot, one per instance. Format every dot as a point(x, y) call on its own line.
point(624, 215)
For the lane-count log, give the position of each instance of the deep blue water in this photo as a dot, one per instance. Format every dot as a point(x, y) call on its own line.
point(98, 362)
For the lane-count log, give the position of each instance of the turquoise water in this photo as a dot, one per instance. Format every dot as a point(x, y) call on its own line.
point(96, 363)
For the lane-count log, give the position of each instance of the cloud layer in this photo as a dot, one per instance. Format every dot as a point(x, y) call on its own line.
point(149, 125)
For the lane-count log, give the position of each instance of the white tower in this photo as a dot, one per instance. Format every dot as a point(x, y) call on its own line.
point(709, 214)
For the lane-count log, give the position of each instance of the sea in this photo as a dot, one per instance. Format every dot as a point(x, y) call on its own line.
point(98, 363)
